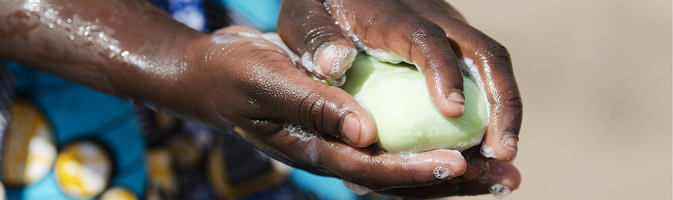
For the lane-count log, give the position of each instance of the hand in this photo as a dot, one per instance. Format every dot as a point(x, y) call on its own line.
point(220, 79)
point(245, 80)
point(430, 34)
point(482, 176)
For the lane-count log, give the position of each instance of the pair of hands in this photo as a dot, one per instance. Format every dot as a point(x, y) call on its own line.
point(268, 96)
point(132, 50)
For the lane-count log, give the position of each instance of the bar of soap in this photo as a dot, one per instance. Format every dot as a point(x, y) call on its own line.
point(397, 96)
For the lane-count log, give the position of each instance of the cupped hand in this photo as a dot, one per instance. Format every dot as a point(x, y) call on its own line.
point(431, 34)
point(482, 176)
point(244, 80)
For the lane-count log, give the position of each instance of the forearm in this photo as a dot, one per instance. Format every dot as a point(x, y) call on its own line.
point(126, 48)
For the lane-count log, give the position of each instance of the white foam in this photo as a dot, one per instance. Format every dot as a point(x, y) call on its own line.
point(275, 39)
point(468, 66)
point(348, 54)
point(407, 155)
point(307, 62)
point(443, 172)
point(499, 191)
point(379, 54)
point(487, 151)
point(342, 58)
point(299, 132)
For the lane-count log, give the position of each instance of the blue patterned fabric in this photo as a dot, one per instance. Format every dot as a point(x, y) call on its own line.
point(76, 112)
point(258, 14)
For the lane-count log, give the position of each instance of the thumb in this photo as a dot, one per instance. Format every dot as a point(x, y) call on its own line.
point(286, 95)
point(292, 97)
point(330, 110)
point(311, 32)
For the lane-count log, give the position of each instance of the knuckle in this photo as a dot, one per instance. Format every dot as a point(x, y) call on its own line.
point(496, 52)
point(376, 16)
point(514, 102)
point(316, 37)
point(422, 32)
point(312, 111)
point(514, 106)
point(510, 92)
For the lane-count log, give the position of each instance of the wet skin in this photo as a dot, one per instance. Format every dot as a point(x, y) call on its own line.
point(235, 77)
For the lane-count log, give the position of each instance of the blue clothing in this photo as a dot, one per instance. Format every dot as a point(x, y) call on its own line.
point(77, 112)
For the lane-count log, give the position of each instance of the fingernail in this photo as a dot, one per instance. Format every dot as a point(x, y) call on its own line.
point(510, 140)
point(458, 98)
point(324, 59)
point(351, 128)
point(334, 60)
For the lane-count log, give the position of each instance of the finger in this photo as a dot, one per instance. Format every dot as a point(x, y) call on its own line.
point(494, 66)
point(328, 109)
point(236, 29)
point(437, 8)
point(309, 30)
point(369, 166)
point(498, 178)
point(271, 91)
point(495, 69)
point(289, 96)
point(388, 29)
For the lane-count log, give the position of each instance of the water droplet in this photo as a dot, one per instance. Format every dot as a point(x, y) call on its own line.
point(68, 20)
point(338, 81)
point(51, 25)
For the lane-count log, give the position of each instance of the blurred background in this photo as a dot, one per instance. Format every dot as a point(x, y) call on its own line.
point(595, 77)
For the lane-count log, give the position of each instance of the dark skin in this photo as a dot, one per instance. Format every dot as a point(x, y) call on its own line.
point(134, 51)
point(432, 34)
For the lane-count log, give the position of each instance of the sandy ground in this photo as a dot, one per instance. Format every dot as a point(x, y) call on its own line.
point(595, 77)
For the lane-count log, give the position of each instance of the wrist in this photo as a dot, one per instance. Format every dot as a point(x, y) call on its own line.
point(161, 69)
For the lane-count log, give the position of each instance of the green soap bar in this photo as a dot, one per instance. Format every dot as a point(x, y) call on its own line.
point(397, 96)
